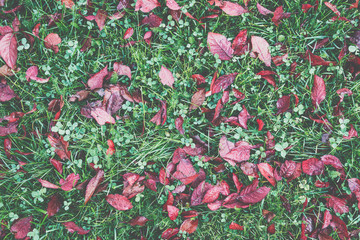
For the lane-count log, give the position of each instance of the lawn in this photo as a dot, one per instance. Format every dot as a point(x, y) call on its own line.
point(163, 119)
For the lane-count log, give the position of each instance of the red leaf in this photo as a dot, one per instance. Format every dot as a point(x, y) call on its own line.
point(199, 79)
point(119, 202)
point(306, 7)
point(271, 229)
point(61, 147)
point(352, 133)
point(238, 185)
point(327, 219)
point(32, 73)
point(218, 44)
point(267, 76)
point(179, 124)
point(169, 201)
point(333, 8)
point(173, 212)
point(318, 92)
point(283, 104)
point(268, 215)
point(253, 196)
point(146, 5)
point(268, 172)
point(153, 21)
point(160, 116)
point(313, 166)
point(260, 123)
point(36, 30)
point(189, 225)
point(199, 193)
point(6, 93)
point(354, 184)
point(129, 32)
point(139, 221)
point(262, 10)
point(101, 116)
point(189, 214)
point(122, 69)
point(54, 205)
point(243, 117)
point(93, 184)
point(235, 226)
point(355, 4)
point(197, 99)
point(166, 77)
point(321, 184)
point(234, 153)
point(222, 83)
point(67, 3)
point(332, 160)
point(8, 49)
point(211, 195)
point(111, 150)
point(72, 227)
point(132, 185)
point(261, 47)
point(162, 177)
point(47, 184)
point(279, 15)
point(96, 81)
point(232, 9)
point(239, 44)
point(169, 233)
point(339, 227)
point(21, 227)
point(100, 18)
point(339, 205)
point(51, 41)
point(70, 182)
point(317, 60)
point(285, 202)
point(172, 5)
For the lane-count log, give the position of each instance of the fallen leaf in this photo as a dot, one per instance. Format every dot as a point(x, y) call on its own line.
point(218, 44)
point(166, 77)
point(332, 160)
point(235, 226)
point(271, 229)
point(283, 104)
point(138, 221)
point(268, 172)
point(232, 9)
point(70, 182)
point(61, 146)
point(146, 5)
point(8, 49)
point(52, 41)
point(234, 153)
point(21, 227)
point(179, 124)
point(119, 202)
point(72, 227)
point(268, 215)
point(317, 60)
point(128, 33)
point(197, 99)
point(261, 47)
point(47, 184)
point(339, 205)
point(173, 212)
point(96, 81)
point(6, 93)
point(172, 5)
point(243, 117)
point(313, 166)
point(279, 15)
point(189, 225)
point(318, 91)
point(222, 83)
point(93, 184)
point(54, 205)
point(100, 18)
point(67, 3)
point(262, 10)
point(169, 233)
point(32, 72)
point(122, 69)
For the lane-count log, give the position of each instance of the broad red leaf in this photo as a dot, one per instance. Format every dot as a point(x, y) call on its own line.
point(86, 44)
point(166, 77)
point(52, 41)
point(354, 184)
point(352, 133)
point(339, 205)
point(179, 124)
point(153, 21)
point(239, 43)
point(67, 3)
point(21, 227)
point(119, 202)
point(61, 147)
point(199, 193)
point(222, 83)
point(285, 202)
point(111, 150)
point(100, 18)
point(211, 195)
point(262, 10)
point(129, 32)
point(185, 172)
point(161, 115)
point(218, 44)
point(237, 183)
point(47, 184)
point(189, 225)
point(132, 185)
point(283, 104)
point(306, 7)
point(268, 172)
point(72, 227)
point(243, 117)
point(332, 160)
point(271, 229)
point(146, 5)
point(199, 79)
point(254, 196)
point(139, 221)
point(321, 184)
point(189, 214)
point(96, 81)
point(267, 75)
point(317, 60)
point(339, 227)
point(313, 166)
point(8, 129)
point(235, 226)
point(268, 215)
point(327, 219)
point(169, 233)
point(32, 73)
point(162, 177)
point(197, 99)
point(70, 182)
point(234, 153)
point(260, 123)
point(279, 15)
point(54, 205)
point(287, 169)
point(6, 93)
point(261, 47)
point(318, 91)
point(93, 184)
point(169, 201)
point(173, 212)
point(232, 9)
point(8, 49)
point(122, 69)
point(172, 5)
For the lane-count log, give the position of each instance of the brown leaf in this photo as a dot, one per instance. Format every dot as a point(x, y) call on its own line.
point(93, 184)
point(268, 215)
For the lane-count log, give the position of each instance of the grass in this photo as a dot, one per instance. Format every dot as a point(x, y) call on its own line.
point(181, 47)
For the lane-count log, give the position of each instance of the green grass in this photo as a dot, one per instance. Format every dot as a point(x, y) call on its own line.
point(181, 52)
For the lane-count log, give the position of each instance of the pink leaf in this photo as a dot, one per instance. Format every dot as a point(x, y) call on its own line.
point(234, 153)
point(70, 181)
point(332, 160)
point(279, 15)
point(72, 227)
point(189, 225)
point(119, 202)
point(6, 93)
point(96, 81)
point(47, 184)
point(173, 212)
point(235, 226)
point(313, 166)
point(93, 184)
point(262, 10)
point(243, 117)
point(51, 41)
point(339, 205)
point(254, 196)
point(283, 104)
point(232, 9)
point(129, 32)
point(32, 73)
point(172, 5)
point(179, 124)
point(122, 69)
point(54, 205)
point(146, 5)
point(222, 83)
point(268, 172)
point(318, 91)
point(100, 18)
point(197, 99)
point(138, 221)
point(218, 44)
point(21, 227)
point(261, 47)
point(166, 77)
point(8, 49)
